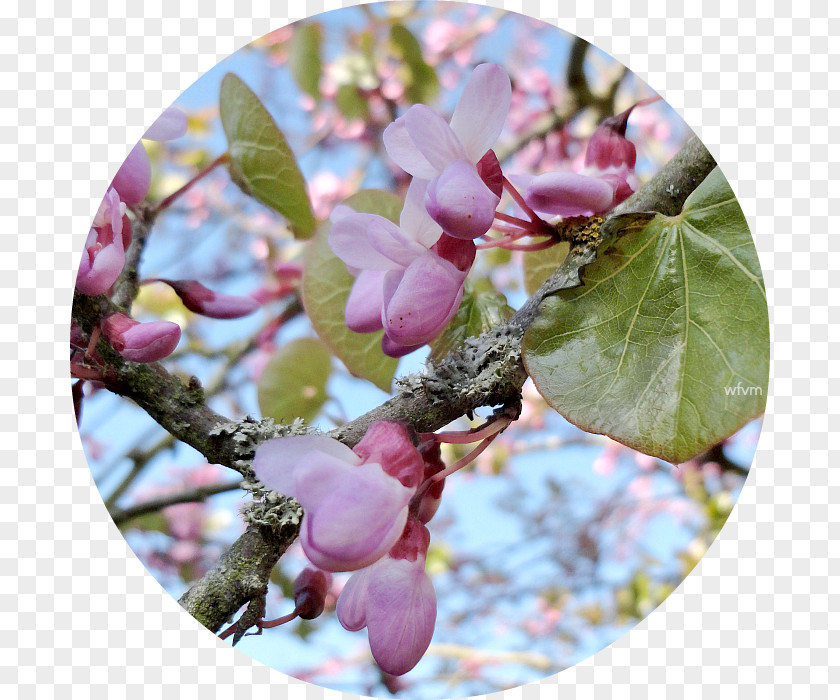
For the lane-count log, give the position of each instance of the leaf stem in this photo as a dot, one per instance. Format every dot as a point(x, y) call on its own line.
point(166, 202)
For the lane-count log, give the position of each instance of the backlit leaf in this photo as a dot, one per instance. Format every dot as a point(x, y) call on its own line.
point(305, 57)
point(261, 162)
point(326, 286)
point(293, 383)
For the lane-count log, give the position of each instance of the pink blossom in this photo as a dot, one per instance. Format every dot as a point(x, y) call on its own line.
point(134, 177)
point(104, 256)
point(141, 342)
point(355, 509)
point(201, 300)
point(425, 146)
point(394, 598)
point(409, 278)
point(603, 183)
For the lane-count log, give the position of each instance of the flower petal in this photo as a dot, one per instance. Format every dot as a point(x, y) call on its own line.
point(363, 312)
point(393, 349)
point(352, 602)
point(460, 202)
point(482, 110)
point(101, 267)
point(423, 301)
point(405, 153)
point(415, 221)
point(433, 137)
point(171, 124)
point(401, 611)
point(388, 443)
point(354, 515)
point(276, 460)
point(150, 342)
point(372, 242)
point(569, 194)
point(134, 176)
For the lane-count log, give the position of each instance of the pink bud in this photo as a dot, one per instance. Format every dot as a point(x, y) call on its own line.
point(134, 177)
point(608, 148)
point(141, 342)
point(310, 592)
point(200, 300)
point(104, 256)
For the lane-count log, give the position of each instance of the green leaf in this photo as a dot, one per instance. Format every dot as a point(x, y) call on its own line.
point(481, 309)
point(261, 162)
point(665, 347)
point(326, 286)
point(351, 103)
point(293, 383)
point(538, 266)
point(421, 80)
point(305, 57)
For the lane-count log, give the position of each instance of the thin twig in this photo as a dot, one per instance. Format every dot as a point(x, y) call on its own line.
point(196, 495)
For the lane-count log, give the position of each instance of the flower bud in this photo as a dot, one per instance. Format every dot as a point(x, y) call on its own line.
point(141, 342)
point(608, 148)
point(201, 300)
point(310, 592)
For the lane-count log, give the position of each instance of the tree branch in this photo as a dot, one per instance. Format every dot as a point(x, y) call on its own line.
point(487, 371)
point(196, 495)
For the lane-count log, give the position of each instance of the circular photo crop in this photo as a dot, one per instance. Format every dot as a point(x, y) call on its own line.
point(419, 349)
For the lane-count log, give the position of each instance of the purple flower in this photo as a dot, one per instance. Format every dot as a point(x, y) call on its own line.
point(394, 598)
point(104, 256)
point(409, 278)
point(135, 174)
point(428, 148)
point(198, 299)
point(603, 183)
point(356, 508)
point(141, 342)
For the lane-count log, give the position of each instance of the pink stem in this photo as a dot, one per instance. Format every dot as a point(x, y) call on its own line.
point(202, 173)
point(465, 437)
point(521, 223)
point(464, 461)
point(530, 247)
point(520, 200)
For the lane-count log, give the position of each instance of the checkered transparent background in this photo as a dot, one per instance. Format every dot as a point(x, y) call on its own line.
point(79, 83)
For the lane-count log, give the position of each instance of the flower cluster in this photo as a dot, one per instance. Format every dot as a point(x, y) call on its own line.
point(365, 512)
point(104, 258)
point(409, 278)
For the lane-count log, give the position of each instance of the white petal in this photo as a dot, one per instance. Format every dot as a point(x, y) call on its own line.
point(433, 137)
point(404, 153)
point(415, 221)
point(482, 110)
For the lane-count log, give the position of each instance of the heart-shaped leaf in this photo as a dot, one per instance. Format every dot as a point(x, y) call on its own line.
point(261, 162)
point(538, 266)
point(665, 346)
point(326, 286)
point(294, 382)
